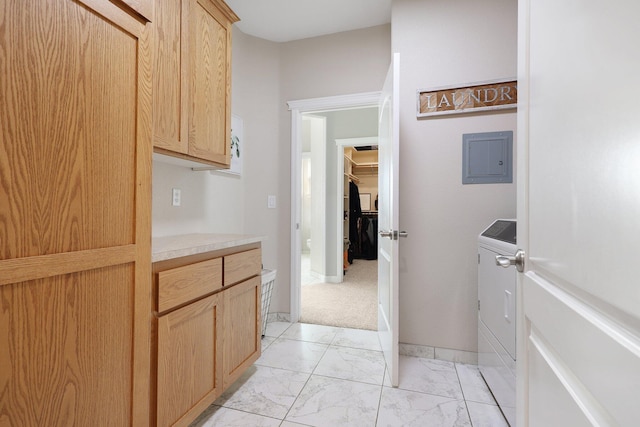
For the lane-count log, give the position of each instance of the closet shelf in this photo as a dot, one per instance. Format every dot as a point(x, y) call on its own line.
point(373, 169)
point(360, 164)
point(352, 177)
point(365, 164)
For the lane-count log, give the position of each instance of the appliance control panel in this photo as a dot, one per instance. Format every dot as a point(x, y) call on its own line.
point(502, 229)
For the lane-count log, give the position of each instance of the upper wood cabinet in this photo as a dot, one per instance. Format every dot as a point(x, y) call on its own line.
point(75, 214)
point(192, 80)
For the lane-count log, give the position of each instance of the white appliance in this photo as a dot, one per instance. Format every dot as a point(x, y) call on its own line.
point(497, 314)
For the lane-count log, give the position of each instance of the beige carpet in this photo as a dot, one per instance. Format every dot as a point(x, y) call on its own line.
point(350, 304)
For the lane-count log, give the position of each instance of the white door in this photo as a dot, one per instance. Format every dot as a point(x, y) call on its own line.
point(388, 208)
point(579, 213)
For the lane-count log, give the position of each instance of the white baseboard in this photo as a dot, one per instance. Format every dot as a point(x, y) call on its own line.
point(428, 352)
point(413, 350)
point(278, 317)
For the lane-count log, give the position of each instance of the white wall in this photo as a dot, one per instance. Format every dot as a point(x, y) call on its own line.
point(305, 209)
point(209, 201)
point(337, 64)
point(318, 137)
point(444, 42)
point(256, 98)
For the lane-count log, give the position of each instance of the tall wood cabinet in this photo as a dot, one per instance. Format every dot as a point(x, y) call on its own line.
point(192, 80)
point(75, 256)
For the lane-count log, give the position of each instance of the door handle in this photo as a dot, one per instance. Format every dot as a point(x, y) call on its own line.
point(507, 261)
point(393, 234)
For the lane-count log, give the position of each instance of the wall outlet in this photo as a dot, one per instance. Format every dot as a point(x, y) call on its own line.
point(271, 202)
point(175, 197)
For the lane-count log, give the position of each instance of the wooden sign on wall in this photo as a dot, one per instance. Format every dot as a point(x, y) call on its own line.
point(493, 95)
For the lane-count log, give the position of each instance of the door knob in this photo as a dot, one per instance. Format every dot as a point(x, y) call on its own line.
point(507, 261)
point(393, 234)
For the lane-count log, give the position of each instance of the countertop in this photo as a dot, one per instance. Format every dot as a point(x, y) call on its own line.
point(169, 247)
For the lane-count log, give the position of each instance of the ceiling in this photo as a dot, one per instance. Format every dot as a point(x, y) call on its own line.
point(287, 20)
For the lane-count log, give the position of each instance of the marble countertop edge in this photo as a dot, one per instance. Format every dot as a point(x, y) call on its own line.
point(170, 247)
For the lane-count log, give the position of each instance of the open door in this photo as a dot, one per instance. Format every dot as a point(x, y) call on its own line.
point(578, 351)
point(388, 208)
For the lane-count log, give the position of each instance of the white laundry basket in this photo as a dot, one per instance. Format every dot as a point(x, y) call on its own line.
point(268, 279)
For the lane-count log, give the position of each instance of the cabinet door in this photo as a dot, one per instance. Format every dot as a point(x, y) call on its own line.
point(170, 83)
point(75, 256)
point(242, 330)
point(210, 82)
point(189, 369)
point(142, 7)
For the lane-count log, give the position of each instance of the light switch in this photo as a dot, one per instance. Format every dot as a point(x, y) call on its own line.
point(175, 200)
point(271, 202)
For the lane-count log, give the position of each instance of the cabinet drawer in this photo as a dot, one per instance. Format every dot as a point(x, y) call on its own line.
point(183, 284)
point(243, 265)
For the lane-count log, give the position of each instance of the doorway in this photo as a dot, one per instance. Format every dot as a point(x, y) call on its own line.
point(350, 300)
point(344, 118)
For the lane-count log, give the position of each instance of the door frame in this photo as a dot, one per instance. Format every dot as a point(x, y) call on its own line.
point(298, 108)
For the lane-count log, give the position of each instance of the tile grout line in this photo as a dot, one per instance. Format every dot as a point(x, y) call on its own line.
point(464, 397)
point(380, 398)
point(334, 378)
point(308, 379)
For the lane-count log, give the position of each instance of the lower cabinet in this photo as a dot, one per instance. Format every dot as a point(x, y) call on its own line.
point(189, 360)
point(242, 330)
point(207, 330)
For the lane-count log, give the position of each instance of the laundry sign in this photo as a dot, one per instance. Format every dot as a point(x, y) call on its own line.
point(486, 96)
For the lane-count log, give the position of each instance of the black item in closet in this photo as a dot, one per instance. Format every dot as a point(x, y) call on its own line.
point(368, 236)
point(355, 213)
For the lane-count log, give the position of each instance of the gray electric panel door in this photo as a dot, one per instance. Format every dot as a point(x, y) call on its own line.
point(487, 158)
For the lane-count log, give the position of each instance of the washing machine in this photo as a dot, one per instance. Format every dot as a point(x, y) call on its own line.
point(497, 314)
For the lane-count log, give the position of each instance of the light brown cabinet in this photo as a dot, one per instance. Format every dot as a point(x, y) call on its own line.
point(192, 80)
point(242, 328)
point(144, 8)
point(75, 200)
point(189, 371)
point(207, 328)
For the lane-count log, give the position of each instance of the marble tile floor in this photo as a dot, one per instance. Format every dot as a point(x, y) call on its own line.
point(313, 375)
